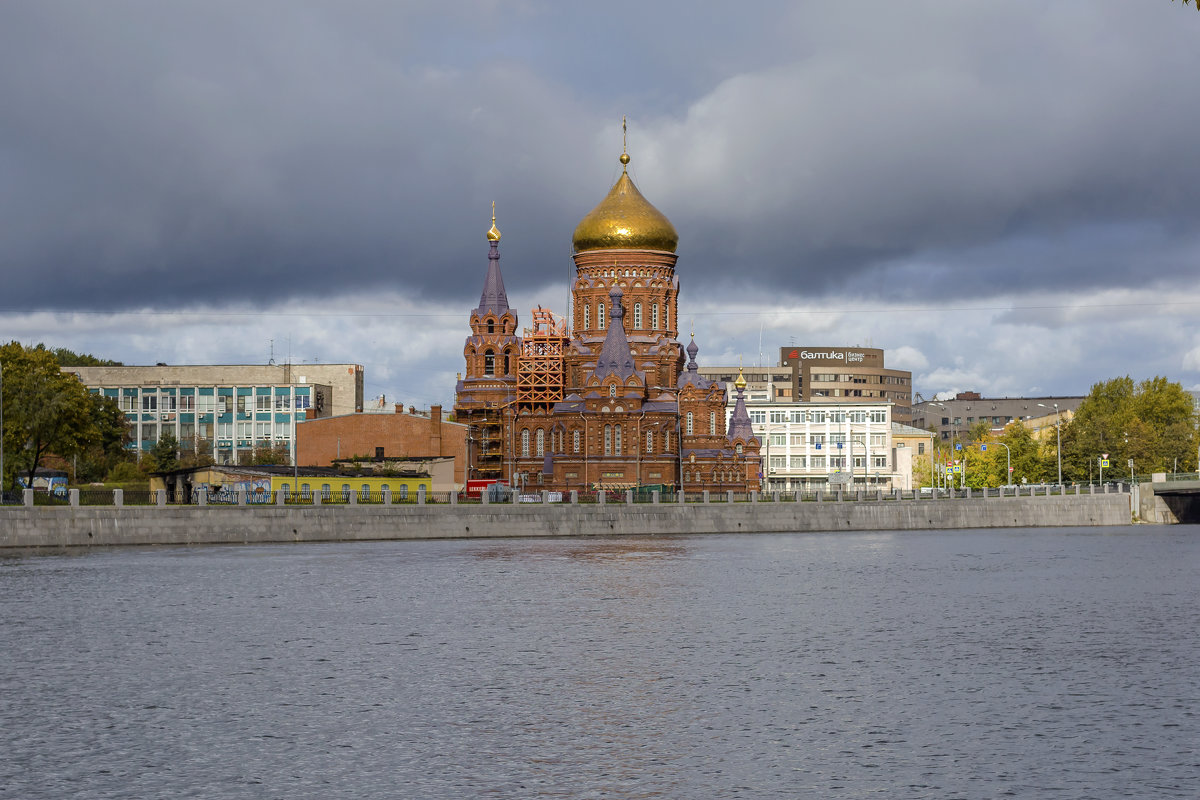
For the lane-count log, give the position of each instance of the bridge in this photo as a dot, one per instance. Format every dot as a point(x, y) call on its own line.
point(1169, 498)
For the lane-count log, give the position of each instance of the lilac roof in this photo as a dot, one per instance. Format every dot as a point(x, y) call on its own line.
point(615, 357)
point(739, 420)
point(691, 376)
point(493, 298)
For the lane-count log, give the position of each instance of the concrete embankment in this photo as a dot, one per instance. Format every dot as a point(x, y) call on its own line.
point(150, 525)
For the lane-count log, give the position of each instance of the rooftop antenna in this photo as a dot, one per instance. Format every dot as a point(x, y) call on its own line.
point(271, 360)
point(760, 330)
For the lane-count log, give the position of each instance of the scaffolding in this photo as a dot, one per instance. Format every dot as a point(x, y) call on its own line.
point(541, 373)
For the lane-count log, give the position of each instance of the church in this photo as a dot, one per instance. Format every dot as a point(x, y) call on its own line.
point(606, 397)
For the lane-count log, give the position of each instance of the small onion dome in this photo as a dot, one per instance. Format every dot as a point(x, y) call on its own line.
point(740, 383)
point(625, 220)
point(493, 233)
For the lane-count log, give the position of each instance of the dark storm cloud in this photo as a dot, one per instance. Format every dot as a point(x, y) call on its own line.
point(164, 154)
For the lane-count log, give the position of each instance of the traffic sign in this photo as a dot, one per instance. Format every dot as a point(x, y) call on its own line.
point(958, 446)
point(983, 448)
point(1104, 462)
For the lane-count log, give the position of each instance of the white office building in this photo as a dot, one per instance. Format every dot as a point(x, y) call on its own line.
point(821, 446)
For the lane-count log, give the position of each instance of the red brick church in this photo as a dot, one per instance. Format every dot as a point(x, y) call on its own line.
point(604, 398)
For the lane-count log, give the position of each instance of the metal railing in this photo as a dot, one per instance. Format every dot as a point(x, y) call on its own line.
point(286, 498)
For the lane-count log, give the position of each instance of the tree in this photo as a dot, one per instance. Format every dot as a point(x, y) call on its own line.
point(164, 456)
point(278, 454)
point(1153, 423)
point(1185, 2)
point(45, 411)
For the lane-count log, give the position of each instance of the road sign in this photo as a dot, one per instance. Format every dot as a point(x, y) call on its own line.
point(983, 448)
point(1104, 455)
point(1010, 469)
point(958, 446)
point(1104, 462)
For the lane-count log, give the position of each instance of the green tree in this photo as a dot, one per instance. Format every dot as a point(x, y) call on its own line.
point(69, 358)
point(164, 456)
point(45, 411)
point(278, 454)
point(1152, 422)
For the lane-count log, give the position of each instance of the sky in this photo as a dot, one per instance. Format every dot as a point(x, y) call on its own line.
point(1005, 197)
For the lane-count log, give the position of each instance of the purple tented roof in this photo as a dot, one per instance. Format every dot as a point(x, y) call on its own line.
point(493, 298)
point(739, 420)
point(615, 357)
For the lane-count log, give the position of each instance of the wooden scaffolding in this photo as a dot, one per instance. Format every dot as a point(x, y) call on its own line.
point(541, 374)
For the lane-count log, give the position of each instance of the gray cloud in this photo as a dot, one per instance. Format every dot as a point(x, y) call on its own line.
point(175, 155)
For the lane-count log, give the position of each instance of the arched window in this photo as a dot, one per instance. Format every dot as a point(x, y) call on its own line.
point(637, 316)
point(489, 363)
point(541, 442)
point(654, 316)
point(420, 487)
point(326, 492)
point(617, 440)
point(575, 442)
point(739, 449)
point(491, 326)
point(712, 422)
point(649, 441)
point(507, 364)
point(345, 493)
point(667, 316)
point(387, 487)
point(608, 440)
point(404, 491)
point(600, 315)
point(365, 491)
point(666, 441)
point(587, 316)
point(305, 491)
point(525, 443)
point(689, 423)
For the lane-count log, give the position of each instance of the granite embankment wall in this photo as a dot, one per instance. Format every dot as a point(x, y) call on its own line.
point(150, 525)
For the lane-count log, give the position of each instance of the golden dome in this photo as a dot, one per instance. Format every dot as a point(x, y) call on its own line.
point(493, 233)
point(625, 220)
point(740, 383)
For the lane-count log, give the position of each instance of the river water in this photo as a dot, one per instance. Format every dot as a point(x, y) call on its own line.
point(1058, 663)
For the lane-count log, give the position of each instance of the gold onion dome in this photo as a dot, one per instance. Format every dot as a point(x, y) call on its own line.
point(493, 233)
point(740, 383)
point(625, 220)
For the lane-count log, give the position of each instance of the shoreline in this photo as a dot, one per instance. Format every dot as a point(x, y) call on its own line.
point(71, 527)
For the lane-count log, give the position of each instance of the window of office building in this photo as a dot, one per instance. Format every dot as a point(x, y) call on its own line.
point(149, 402)
point(798, 462)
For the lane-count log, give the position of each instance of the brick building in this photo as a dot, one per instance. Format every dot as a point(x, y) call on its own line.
point(382, 436)
point(602, 398)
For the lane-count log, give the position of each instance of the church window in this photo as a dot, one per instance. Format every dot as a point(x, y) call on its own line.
point(507, 369)
point(637, 316)
point(489, 363)
point(712, 422)
point(617, 440)
point(612, 390)
point(667, 315)
point(739, 449)
point(491, 326)
point(649, 442)
point(587, 316)
point(541, 442)
point(689, 423)
point(666, 441)
point(575, 441)
point(600, 315)
point(654, 316)
point(608, 440)
point(525, 443)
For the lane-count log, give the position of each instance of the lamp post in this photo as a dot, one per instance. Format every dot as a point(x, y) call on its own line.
point(1058, 440)
point(1008, 459)
point(1, 433)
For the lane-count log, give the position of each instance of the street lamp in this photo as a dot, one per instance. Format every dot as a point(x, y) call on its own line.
point(1058, 439)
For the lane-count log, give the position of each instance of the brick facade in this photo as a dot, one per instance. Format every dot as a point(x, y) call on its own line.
point(320, 441)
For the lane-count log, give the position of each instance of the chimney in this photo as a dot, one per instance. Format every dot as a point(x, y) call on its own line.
point(435, 429)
